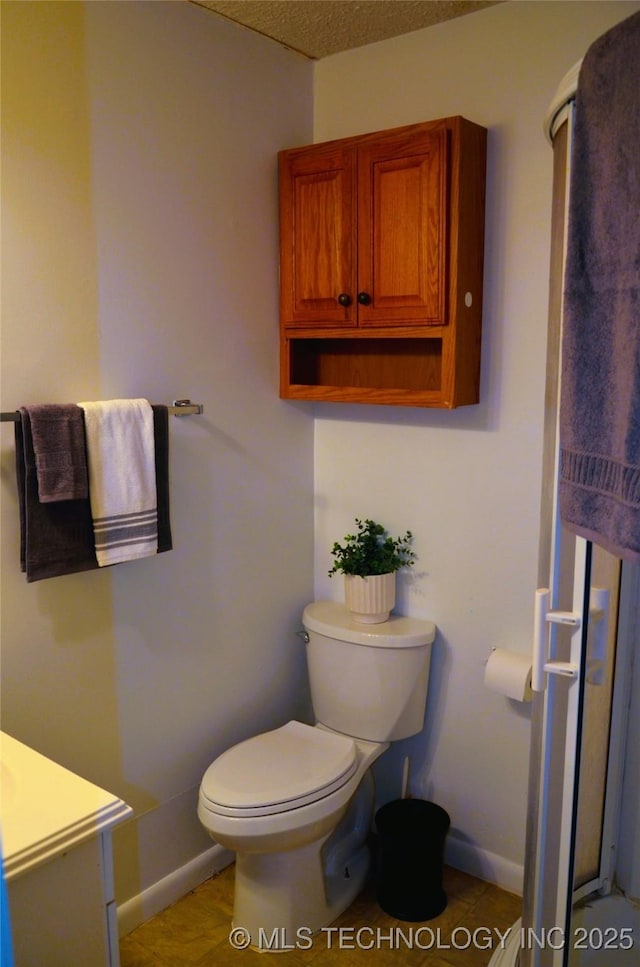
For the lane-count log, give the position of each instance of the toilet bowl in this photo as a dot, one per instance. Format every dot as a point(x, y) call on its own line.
point(296, 803)
point(284, 880)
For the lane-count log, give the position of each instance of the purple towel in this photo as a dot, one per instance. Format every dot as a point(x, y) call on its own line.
point(55, 538)
point(57, 431)
point(600, 395)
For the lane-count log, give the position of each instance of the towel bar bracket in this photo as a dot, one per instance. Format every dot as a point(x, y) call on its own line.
point(186, 408)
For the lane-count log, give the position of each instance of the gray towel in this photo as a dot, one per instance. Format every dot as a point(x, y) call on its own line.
point(161, 437)
point(60, 453)
point(600, 389)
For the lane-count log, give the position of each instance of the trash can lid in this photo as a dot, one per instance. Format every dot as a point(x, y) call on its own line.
point(408, 818)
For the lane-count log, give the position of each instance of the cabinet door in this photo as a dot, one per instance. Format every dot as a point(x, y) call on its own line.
point(317, 236)
point(402, 229)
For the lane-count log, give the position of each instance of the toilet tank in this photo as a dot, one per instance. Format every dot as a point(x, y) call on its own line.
point(368, 681)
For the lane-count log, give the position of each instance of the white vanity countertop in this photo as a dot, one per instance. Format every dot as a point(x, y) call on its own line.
point(45, 809)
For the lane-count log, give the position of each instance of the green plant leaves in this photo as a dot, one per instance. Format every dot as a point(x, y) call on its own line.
point(372, 551)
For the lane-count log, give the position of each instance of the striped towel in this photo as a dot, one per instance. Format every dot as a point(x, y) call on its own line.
point(122, 479)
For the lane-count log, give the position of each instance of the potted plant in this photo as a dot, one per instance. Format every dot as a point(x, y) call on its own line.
point(369, 559)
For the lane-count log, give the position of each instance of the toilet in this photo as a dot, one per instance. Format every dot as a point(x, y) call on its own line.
point(296, 803)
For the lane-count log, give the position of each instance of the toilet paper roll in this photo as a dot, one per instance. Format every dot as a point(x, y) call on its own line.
point(509, 673)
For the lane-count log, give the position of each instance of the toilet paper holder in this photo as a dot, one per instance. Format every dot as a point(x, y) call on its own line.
point(509, 673)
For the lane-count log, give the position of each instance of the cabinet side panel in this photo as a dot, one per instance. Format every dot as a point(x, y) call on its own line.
point(468, 180)
point(59, 911)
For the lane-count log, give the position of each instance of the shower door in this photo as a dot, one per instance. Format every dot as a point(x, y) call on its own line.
point(580, 660)
point(585, 625)
point(583, 631)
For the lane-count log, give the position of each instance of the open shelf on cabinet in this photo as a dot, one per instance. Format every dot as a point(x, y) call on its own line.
point(405, 371)
point(409, 364)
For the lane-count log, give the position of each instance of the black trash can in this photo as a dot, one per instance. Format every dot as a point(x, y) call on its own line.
point(412, 834)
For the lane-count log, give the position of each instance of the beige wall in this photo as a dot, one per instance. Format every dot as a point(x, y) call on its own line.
point(467, 483)
point(140, 259)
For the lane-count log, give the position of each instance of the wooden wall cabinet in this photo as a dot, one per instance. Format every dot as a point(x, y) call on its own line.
point(381, 257)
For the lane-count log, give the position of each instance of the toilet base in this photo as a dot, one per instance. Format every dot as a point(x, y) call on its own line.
point(282, 899)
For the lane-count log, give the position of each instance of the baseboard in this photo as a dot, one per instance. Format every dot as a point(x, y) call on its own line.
point(171, 888)
point(485, 865)
point(459, 854)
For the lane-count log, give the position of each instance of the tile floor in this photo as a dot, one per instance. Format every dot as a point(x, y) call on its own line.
point(194, 932)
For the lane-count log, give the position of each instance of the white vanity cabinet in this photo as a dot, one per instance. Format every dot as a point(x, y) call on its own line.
point(56, 844)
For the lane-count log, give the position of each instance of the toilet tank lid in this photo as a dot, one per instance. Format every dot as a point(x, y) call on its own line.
point(332, 619)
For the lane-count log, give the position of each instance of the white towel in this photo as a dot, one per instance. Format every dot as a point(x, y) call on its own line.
point(122, 479)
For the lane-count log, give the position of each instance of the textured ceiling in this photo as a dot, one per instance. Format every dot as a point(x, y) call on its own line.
point(317, 28)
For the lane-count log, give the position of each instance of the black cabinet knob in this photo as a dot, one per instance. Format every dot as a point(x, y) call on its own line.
point(344, 299)
point(364, 298)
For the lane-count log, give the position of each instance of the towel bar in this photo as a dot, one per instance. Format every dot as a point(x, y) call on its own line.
point(179, 408)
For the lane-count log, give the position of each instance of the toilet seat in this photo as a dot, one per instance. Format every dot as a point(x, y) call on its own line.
point(280, 770)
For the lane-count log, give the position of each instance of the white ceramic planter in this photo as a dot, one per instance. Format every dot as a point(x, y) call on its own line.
point(370, 599)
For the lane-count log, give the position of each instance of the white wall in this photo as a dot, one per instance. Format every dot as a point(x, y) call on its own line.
point(467, 482)
point(140, 259)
